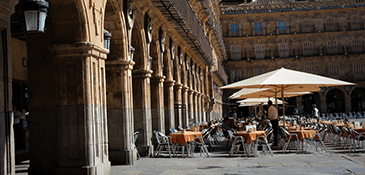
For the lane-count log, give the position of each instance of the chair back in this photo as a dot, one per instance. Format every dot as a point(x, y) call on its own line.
point(173, 130)
point(135, 136)
point(157, 137)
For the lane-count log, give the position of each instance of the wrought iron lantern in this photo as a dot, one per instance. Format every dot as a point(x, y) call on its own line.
point(35, 13)
point(107, 37)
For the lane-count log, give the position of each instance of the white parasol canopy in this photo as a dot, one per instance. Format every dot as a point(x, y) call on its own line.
point(265, 92)
point(284, 80)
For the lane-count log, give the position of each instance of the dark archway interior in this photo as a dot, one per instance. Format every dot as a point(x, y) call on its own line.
point(335, 101)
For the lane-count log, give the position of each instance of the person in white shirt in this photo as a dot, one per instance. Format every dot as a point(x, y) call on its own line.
point(273, 116)
point(315, 111)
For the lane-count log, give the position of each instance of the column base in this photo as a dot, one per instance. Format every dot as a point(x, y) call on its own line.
point(122, 157)
point(100, 169)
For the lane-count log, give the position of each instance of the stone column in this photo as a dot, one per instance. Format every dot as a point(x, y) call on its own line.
point(177, 104)
point(169, 105)
point(120, 112)
point(196, 114)
point(347, 103)
point(157, 103)
point(323, 104)
point(142, 110)
point(299, 104)
point(191, 106)
point(205, 107)
point(68, 115)
point(185, 102)
point(200, 107)
point(7, 152)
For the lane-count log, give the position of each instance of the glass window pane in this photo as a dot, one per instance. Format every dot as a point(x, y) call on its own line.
point(31, 20)
point(42, 21)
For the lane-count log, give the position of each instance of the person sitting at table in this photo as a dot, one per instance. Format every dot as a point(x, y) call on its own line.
point(273, 116)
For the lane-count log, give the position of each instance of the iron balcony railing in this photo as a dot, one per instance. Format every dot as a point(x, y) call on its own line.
point(183, 19)
point(298, 53)
point(221, 73)
point(289, 6)
point(303, 29)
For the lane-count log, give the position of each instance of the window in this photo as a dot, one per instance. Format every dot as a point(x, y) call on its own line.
point(283, 50)
point(358, 69)
point(235, 52)
point(234, 29)
point(256, 72)
point(332, 47)
point(236, 76)
point(333, 70)
point(258, 26)
point(282, 27)
point(330, 24)
point(260, 51)
point(306, 26)
point(244, 74)
point(307, 48)
point(356, 45)
point(354, 23)
point(309, 69)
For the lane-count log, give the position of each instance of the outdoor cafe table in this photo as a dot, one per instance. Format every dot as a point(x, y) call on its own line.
point(303, 134)
point(184, 137)
point(250, 137)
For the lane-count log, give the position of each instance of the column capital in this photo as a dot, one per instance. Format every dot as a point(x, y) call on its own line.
point(178, 85)
point(169, 83)
point(185, 88)
point(144, 73)
point(120, 64)
point(158, 78)
point(85, 49)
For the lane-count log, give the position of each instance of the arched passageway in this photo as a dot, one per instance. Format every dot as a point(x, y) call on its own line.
point(335, 101)
point(358, 100)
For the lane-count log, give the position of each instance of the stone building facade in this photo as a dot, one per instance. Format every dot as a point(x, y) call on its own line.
point(322, 37)
point(85, 102)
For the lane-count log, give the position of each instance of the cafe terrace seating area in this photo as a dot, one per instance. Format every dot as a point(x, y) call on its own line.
point(252, 137)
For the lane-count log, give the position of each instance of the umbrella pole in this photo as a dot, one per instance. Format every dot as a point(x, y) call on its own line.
point(255, 111)
point(282, 98)
point(276, 101)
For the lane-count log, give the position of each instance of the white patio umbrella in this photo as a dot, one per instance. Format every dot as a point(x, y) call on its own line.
point(284, 80)
point(255, 102)
point(265, 92)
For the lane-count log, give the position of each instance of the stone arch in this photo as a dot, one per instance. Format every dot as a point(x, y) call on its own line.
point(358, 99)
point(335, 99)
point(139, 43)
point(308, 100)
point(115, 23)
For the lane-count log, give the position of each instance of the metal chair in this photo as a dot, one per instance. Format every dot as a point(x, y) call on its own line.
point(289, 138)
point(358, 137)
point(135, 139)
point(198, 141)
point(261, 140)
point(163, 143)
point(237, 142)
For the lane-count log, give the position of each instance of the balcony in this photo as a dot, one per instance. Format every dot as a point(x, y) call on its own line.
point(221, 73)
point(183, 19)
point(288, 6)
point(299, 53)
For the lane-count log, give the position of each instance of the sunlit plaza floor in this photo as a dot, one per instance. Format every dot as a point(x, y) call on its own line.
point(337, 161)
